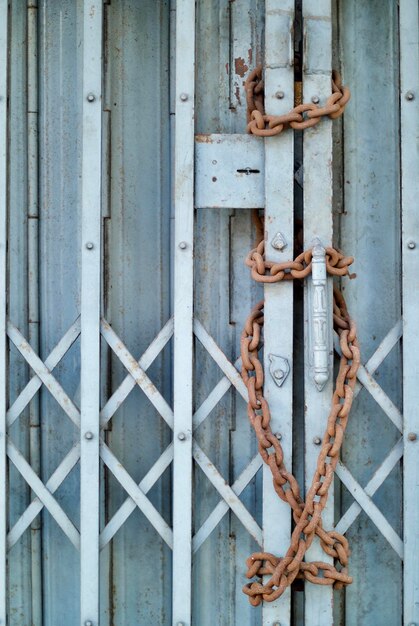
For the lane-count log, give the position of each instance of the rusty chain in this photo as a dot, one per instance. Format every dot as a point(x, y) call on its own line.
point(307, 515)
point(300, 117)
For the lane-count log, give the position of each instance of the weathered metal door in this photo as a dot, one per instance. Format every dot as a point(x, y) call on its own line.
point(132, 488)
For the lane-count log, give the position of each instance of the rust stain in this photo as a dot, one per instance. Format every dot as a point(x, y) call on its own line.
point(227, 68)
point(237, 94)
point(250, 52)
point(240, 66)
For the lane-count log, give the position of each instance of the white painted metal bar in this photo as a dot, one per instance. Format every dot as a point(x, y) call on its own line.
point(129, 505)
point(44, 374)
point(52, 484)
point(279, 218)
point(35, 382)
point(223, 507)
point(4, 55)
point(317, 157)
point(43, 494)
point(373, 512)
point(376, 481)
point(409, 111)
point(136, 494)
point(90, 310)
point(183, 310)
point(227, 493)
point(137, 373)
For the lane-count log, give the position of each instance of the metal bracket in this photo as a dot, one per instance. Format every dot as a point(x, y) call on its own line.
point(279, 368)
point(318, 317)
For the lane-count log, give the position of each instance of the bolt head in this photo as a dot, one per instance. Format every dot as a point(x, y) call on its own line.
point(88, 435)
point(278, 436)
point(183, 245)
point(89, 245)
point(88, 623)
point(410, 95)
point(184, 97)
point(317, 441)
point(279, 374)
point(91, 97)
point(279, 95)
point(181, 436)
point(315, 99)
point(411, 245)
point(412, 436)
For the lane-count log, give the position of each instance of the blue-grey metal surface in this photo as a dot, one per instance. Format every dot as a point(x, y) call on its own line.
point(135, 568)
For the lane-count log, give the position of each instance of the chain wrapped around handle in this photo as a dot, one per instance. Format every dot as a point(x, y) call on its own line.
point(307, 515)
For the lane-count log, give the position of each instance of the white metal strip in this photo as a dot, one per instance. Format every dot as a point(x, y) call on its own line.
point(376, 481)
point(317, 157)
point(279, 218)
point(43, 494)
point(55, 480)
point(183, 310)
point(136, 494)
point(370, 508)
point(4, 55)
point(35, 382)
point(409, 110)
point(223, 506)
point(90, 310)
point(226, 492)
point(128, 384)
point(137, 373)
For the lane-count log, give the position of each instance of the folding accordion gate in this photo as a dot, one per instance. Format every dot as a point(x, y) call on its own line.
point(132, 487)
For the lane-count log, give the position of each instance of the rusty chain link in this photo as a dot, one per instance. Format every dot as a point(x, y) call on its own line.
point(307, 515)
point(300, 117)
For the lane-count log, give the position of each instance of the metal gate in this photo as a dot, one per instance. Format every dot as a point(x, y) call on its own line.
point(132, 487)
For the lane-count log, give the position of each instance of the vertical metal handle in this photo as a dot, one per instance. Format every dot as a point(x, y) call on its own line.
point(319, 349)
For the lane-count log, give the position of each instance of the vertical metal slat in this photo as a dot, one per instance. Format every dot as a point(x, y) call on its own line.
point(317, 154)
point(279, 213)
point(409, 65)
point(3, 298)
point(183, 310)
point(90, 311)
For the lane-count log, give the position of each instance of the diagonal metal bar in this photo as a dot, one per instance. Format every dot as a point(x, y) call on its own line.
point(53, 483)
point(128, 384)
point(385, 347)
point(220, 358)
point(213, 398)
point(137, 373)
point(222, 507)
point(370, 384)
point(51, 362)
point(136, 494)
point(44, 374)
point(227, 493)
point(43, 494)
point(370, 508)
point(128, 506)
point(373, 484)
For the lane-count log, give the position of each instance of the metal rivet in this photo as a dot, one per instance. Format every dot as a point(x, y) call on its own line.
point(279, 374)
point(279, 95)
point(183, 97)
point(182, 245)
point(317, 441)
point(88, 623)
point(410, 95)
point(412, 436)
point(278, 436)
point(88, 435)
point(411, 245)
point(89, 245)
point(181, 436)
point(315, 99)
point(91, 97)
point(180, 624)
point(276, 624)
point(279, 242)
